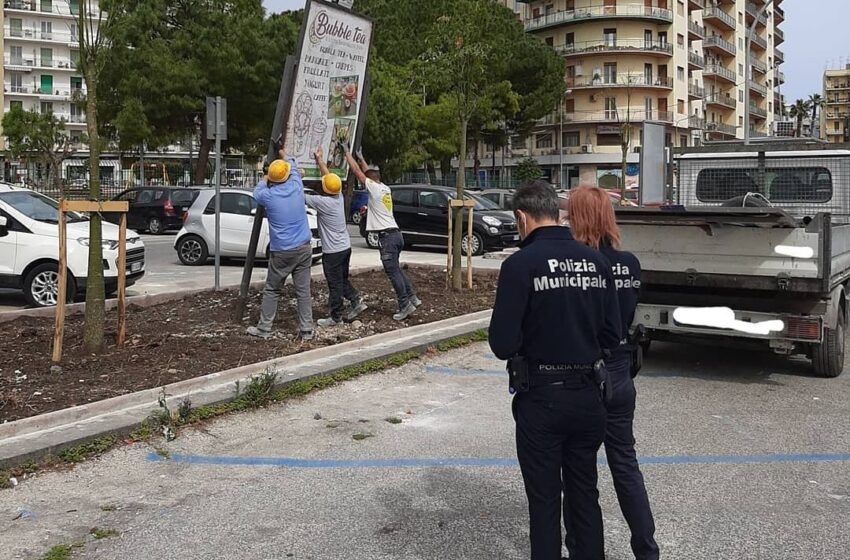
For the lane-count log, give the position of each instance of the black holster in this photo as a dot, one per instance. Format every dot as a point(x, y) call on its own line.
point(602, 378)
point(636, 337)
point(519, 376)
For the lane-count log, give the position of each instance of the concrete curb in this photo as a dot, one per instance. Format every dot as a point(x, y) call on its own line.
point(35, 437)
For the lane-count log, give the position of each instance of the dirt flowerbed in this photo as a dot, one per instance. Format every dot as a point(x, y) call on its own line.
point(193, 336)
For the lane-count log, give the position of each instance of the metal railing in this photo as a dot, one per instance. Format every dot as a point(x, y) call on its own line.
point(619, 116)
point(721, 128)
point(753, 10)
point(696, 28)
point(721, 99)
point(837, 85)
point(36, 34)
point(604, 46)
point(837, 100)
point(780, 77)
point(696, 4)
point(696, 122)
point(720, 71)
point(757, 64)
point(39, 62)
point(621, 80)
point(757, 111)
point(39, 7)
point(778, 35)
point(778, 55)
point(720, 43)
point(759, 41)
point(696, 59)
point(696, 91)
point(715, 13)
point(758, 88)
point(598, 12)
point(778, 13)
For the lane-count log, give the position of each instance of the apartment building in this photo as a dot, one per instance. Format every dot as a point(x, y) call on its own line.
point(835, 114)
point(40, 53)
point(677, 62)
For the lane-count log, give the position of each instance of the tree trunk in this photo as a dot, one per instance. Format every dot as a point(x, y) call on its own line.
point(93, 334)
point(457, 257)
point(432, 172)
point(445, 169)
point(476, 163)
point(203, 159)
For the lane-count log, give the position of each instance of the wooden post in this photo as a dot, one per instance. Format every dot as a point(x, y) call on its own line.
point(122, 280)
point(468, 251)
point(449, 257)
point(59, 331)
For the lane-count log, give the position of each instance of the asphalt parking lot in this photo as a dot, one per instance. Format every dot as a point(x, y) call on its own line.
point(746, 456)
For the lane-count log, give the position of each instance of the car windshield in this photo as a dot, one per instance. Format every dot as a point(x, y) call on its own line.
point(37, 207)
point(481, 203)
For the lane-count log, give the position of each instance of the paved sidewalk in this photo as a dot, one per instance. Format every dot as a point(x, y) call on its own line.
point(745, 459)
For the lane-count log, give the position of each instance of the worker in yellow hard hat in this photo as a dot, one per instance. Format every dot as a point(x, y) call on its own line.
point(336, 246)
point(281, 192)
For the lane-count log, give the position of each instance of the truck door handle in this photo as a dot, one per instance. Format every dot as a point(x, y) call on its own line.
point(422, 213)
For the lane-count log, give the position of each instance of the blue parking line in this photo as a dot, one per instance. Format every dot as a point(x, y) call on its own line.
point(462, 371)
point(289, 463)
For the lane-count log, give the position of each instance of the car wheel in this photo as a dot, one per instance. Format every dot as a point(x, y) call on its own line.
point(192, 251)
point(41, 286)
point(476, 242)
point(356, 217)
point(372, 240)
point(155, 226)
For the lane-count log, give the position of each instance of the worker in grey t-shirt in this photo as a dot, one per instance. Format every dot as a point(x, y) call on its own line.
point(336, 246)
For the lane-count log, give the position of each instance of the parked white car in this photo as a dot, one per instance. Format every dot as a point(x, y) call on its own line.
point(197, 237)
point(29, 248)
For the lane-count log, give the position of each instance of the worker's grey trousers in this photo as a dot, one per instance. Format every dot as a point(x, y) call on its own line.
point(296, 262)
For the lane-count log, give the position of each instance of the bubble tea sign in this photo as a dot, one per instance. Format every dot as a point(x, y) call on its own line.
point(328, 89)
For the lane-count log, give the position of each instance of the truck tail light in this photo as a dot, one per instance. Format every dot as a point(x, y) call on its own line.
point(803, 328)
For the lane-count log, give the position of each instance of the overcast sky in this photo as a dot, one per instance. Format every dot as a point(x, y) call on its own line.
point(817, 34)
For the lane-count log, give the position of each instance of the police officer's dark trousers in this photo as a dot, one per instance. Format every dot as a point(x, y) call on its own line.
point(622, 460)
point(559, 428)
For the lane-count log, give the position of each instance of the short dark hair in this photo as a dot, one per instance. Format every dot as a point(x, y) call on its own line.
point(373, 174)
point(538, 199)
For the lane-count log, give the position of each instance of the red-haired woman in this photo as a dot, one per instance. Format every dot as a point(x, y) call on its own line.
point(593, 222)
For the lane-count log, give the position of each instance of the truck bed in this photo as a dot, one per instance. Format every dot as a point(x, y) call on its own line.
point(736, 249)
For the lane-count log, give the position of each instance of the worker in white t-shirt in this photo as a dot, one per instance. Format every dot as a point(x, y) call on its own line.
point(379, 219)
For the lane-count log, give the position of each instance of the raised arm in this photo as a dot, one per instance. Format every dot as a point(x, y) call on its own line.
point(320, 160)
point(358, 172)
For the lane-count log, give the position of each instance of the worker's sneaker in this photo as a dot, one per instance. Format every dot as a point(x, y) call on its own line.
point(259, 333)
point(306, 336)
point(356, 310)
point(403, 314)
point(328, 322)
point(415, 301)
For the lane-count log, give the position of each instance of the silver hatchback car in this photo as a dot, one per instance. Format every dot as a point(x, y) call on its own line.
point(197, 236)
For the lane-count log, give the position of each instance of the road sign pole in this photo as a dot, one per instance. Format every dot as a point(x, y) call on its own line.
point(217, 193)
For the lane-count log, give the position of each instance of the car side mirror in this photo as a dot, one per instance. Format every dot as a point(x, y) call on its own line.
point(253, 211)
point(4, 226)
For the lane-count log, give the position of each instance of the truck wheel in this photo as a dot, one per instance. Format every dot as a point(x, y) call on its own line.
point(41, 286)
point(477, 244)
point(828, 356)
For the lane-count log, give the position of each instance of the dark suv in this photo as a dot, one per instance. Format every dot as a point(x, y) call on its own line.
point(421, 212)
point(156, 209)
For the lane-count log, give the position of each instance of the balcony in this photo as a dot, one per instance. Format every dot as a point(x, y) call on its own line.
point(779, 56)
point(778, 14)
point(759, 42)
point(757, 111)
point(637, 46)
point(756, 133)
point(838, 100)
point(758, 65)
point(758, 88)
point(833, 132)
point(696, 32)
point(718, 17)
point(778, 36)
point(752, 12)
point(620, 81)
point(636, 114)
point(34, 6)
point(696, 4)
point(696, 122)
point(780, 77)
point(832, 85)
point(593, 13)
point(837, 114)
point(719, 72)
point(25, 64)
point(695, 61)
point(719, 45)
point(52, 95)
point(721, 99)
point(720, 128)
point(695, 91)
point(39, 36)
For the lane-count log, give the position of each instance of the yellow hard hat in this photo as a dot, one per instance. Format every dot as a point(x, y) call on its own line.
point(279, 171)
point(331, 183)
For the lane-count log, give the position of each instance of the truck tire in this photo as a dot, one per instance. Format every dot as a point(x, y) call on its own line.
point(828, 356)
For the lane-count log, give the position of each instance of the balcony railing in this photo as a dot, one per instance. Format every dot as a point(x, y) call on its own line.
point(830, 85)
point(779, 56)
point(758, 88)
point(721, 99)
point(759, 41)
point(696, 29)
point(719, 71)
point(36, 62)
point(696, 60)
point(755, 133)
point(606, 46)
point(715, 14)
point(833, 132)
point(837, 100)
point(752, 12)
point(757, 111)
point(721, 128)
point(696, 4)
point(38, 7)
point(696, 91)
point(619, 116)
point(621, 80)
point(35, 34)
point(837, 114)
point(758, 65)
point(696, 122)
point(780, 77)
point(719, 43)
point(778, 13)
point(778, 36)
point(599, 12)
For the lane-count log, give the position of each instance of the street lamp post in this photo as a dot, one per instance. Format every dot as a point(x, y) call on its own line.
point(748, 70)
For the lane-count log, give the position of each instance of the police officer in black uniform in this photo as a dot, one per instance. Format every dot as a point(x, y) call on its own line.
point(593, 222)
point(555, 317)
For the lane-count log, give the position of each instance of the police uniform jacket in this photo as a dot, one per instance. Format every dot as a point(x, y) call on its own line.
point(556, 302)
point(625, 268)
